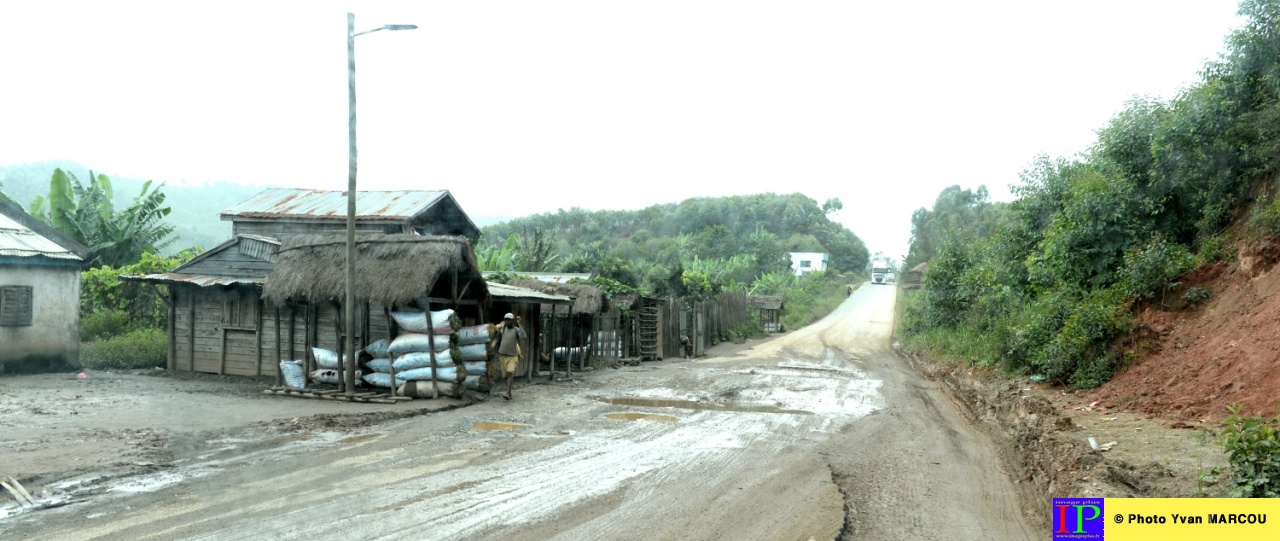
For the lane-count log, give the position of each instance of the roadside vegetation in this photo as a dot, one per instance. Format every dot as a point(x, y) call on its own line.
point(1047, 286)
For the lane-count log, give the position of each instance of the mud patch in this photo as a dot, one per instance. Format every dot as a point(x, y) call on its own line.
point(489, 426)
point(631, 416)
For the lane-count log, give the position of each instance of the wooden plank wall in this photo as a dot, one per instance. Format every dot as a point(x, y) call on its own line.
point(245, 337)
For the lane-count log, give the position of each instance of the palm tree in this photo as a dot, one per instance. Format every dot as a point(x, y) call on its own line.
point(85, 213)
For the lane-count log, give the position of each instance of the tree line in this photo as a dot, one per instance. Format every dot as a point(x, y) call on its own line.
point(696, 247)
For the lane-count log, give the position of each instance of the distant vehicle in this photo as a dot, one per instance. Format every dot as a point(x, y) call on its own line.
point(889, 279)
point(881, 272)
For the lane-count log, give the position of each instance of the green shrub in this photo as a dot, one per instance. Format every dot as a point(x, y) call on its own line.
point(140, 348)
point(1253, 449)
point(1151, 268)
point(1265, 217)
point(1196, 295)
point(104, 324)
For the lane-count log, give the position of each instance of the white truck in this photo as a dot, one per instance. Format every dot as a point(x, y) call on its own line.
point(881, 272)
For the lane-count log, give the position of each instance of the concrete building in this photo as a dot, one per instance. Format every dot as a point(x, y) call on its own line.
point(39, 293)
point(806, 262)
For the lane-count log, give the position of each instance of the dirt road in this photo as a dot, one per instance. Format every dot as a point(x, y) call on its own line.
point(819, 434)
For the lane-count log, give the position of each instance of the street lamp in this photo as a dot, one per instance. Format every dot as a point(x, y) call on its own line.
point(349, 377)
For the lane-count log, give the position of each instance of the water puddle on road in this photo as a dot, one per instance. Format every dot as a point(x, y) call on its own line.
point(640, 417)
point(496, 425)
point(692, 405)
point(360, 438)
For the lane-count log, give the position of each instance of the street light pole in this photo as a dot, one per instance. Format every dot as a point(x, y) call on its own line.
point(349, 377)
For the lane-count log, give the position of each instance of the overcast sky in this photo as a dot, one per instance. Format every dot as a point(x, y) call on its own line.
point(520, 107)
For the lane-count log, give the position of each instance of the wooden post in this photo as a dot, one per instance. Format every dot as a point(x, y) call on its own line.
point(337, 333)
point(392, 331)
point(568, 362)
point(364, 336)
point(306, 339)
point(257, 333)
point(279, 376)
point(553, 344)
point(191, 331)
point(431, 340)
point(293, 321)
point(173, 331)
point(222, 355)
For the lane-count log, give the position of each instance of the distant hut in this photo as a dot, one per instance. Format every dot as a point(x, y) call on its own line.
point(528, 305)
point(769, 310)
point(573, 327)
point(914, 278)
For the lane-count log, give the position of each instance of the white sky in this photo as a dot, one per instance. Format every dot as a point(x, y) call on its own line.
point(521, 107)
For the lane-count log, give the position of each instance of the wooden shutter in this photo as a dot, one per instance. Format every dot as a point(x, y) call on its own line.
point(15, 306)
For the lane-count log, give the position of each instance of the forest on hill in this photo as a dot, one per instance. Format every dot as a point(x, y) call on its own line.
point(698, 245)
point(1047, 285)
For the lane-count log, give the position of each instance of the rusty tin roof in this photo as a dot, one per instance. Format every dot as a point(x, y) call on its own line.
point(332, 204)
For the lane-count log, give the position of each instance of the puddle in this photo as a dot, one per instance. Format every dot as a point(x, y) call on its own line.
point(641, 417)
point(360, 438)
point(692, 405)
point(496, 425)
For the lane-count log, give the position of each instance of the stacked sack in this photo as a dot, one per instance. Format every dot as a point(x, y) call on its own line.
point(475, 347)
point(410, 355)
point(327, 368)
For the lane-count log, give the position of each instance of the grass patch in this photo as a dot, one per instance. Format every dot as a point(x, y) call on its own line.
point(814, 298)
point(140, 348)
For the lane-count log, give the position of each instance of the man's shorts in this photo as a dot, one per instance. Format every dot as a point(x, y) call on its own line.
point(508, 363)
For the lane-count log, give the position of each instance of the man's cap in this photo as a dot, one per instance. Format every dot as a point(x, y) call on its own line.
point(509, 316)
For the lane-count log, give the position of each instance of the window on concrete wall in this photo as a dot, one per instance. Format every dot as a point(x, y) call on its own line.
point(804, 264)
point(15, 306)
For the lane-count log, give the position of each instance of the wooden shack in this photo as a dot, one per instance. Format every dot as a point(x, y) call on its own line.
point(768, 309)
point(529, 305)
point(571, 326)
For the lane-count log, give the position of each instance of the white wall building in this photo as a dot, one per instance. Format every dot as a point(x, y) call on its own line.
point(803, 262)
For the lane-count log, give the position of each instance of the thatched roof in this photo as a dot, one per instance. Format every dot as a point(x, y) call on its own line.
point(389, 268)
point(587, 299)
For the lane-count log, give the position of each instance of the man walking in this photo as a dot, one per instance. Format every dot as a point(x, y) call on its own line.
point(509, 335)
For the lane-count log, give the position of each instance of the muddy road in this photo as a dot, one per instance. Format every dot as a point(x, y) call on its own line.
point(820, 434)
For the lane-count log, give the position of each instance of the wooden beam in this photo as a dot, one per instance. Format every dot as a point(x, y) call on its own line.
point(191, 331)
point(257, 334)
point(431, 348)
point(464, 302)
point(172, 363)
point(279, 377)
point(222, 354)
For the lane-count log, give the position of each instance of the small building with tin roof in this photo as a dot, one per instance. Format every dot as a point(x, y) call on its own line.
point(282, 212)
point(39, 293)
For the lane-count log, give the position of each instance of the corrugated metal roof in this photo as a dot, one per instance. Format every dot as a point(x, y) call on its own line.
point(551, 277)
point(332, 204)
point(510, 293)
point(17, 240)
point(197, 279)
